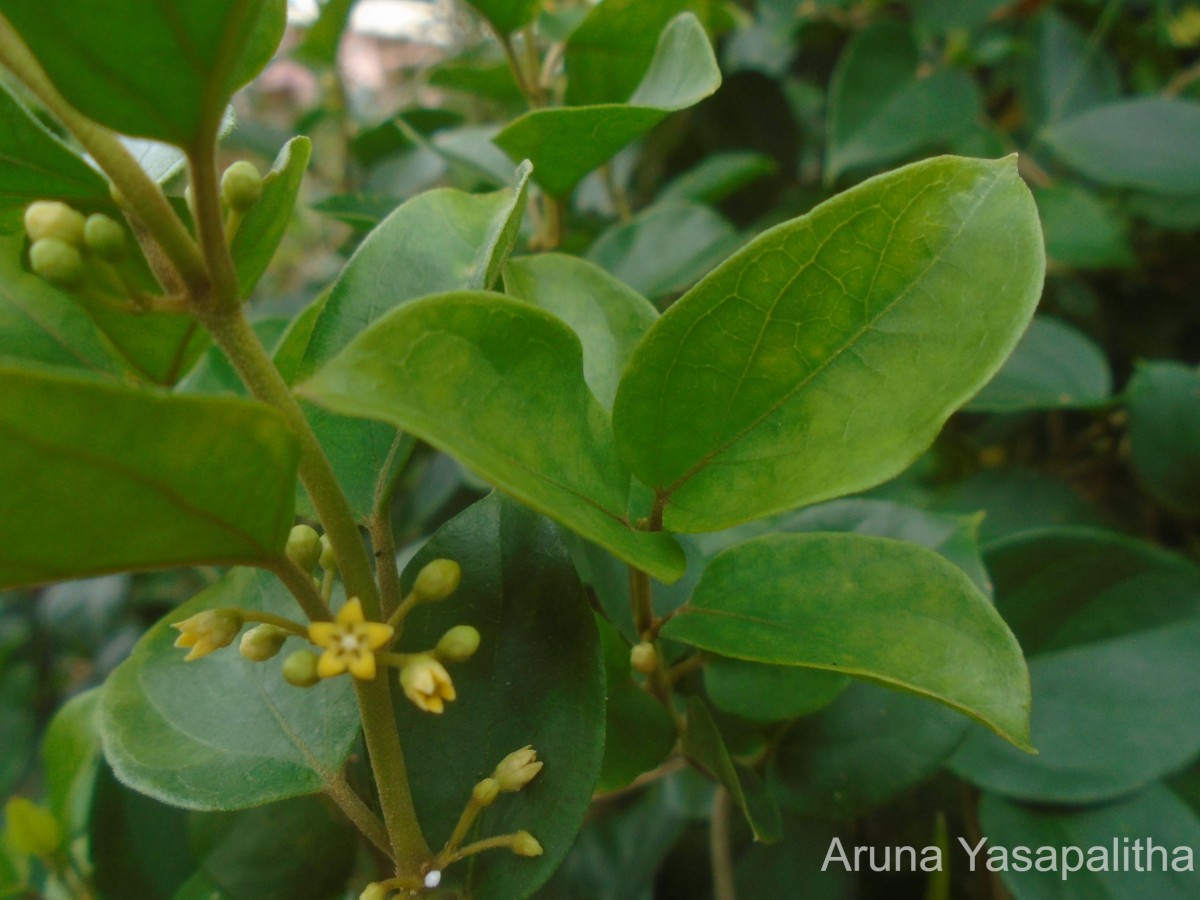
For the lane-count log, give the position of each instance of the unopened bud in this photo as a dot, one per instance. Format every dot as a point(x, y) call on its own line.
point(304, 547)
point(328, 558)
point(437, 581)
point(300, 669)
point(458, 644)
point(517, 769)
point(58, 262)
point(106, 238)
point(525, 844)
point(241, 185)
point(486, 792)
point(643, 658)
point(32, 830)
point(262, 642)
point(208, 631)
point(374, 891)
point(54, 219)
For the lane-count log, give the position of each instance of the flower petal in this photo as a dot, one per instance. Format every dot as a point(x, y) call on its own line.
point(362, 666)
point(351, 613)
point(330, 664)
point(324, 633)
point(375, 634)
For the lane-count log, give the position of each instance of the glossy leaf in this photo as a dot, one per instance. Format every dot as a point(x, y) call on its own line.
point(505, 15)
point(158, 69)
point(1164, 434)
point(262, 228)
point(1144, 143)
point(171, 480)
point(223, 732)
point(565, 143)
point(37, 165)
point(532, 428)
point(880, 111)
point(439, 241)
point(873, 608)
point(1054, 366)
point(718, 176)
point(773, 383)
point(608, 317)
point(537, 679)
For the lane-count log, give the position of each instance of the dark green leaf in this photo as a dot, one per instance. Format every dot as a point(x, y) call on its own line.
point(262, 228)
point(766, 693)
point(875, 608)
point(1164, 434)
point(158, 69)
point(506, 15)
point(1081, 230)
point(537, 679)
point(792, 866)
point(361, 212)
point(492, 80)
point(951, 14)
point(775, 381)
point(18, 694)
point(1066, 73)
point(222, 732)
point(170, 480)
point(718, 176)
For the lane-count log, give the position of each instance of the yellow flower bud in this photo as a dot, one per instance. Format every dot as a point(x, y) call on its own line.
point(241, 185)
point(327, 559)
point(300, 669)
point(208, 631)
point(437, 581)
point(458, 644)
point(486, 792)
point(58, 262)
point(32, 830)
point(517, 769)
point(105, 238)
point(643, 658)
point(304, 548)
point(525, 844)
point(53, 219)
point(262, 642)
point(427, 683)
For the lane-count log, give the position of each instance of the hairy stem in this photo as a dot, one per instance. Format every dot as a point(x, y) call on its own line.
point(303, 589)
point(359, 813)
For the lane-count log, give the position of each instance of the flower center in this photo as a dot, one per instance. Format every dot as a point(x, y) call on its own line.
point(350, 643)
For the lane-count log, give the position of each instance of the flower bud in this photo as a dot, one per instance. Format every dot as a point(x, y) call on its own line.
point(208, 631)
point(241, 185)
point(374, 891)
point(304, 548)
point(327, 558)
point(427, 683)
point(58, 262)
point(32, 830)
point(262, 642)
point(643, 658)
point(517, 769)
point(525, 844)
point(458, 644)
point(300, 669)
point(105, 238)
point(54, 219)
point(486, 792)
point(437, 581)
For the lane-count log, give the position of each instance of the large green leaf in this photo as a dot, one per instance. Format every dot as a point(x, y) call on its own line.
point(1066, 72)
point(509, 400)
point(824, 356)
point(1164, 434)
point(441, 240)
point(880, 111)
point(262, 228)
point(99, 478)
point(223, 732)
point(537, 679)
point(1145, 143)
point(506, 15)
point(608, 317)
point(565, 143)
point(874, 608)
point(36, 165)
point(162, 69)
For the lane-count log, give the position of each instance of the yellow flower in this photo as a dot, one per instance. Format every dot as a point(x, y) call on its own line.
point(208, 631)
point(426, 683)
point(349, 643)
point(517, 769)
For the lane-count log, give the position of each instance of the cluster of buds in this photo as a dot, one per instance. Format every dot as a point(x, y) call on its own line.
point(63, 242)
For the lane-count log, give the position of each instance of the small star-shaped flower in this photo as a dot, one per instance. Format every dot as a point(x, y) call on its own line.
point(349, 643)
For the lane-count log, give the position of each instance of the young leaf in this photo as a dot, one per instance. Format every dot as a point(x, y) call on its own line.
point(774, 382)
point(509, 401)
point(874, 608)
point(262, 228)
point(170, 480)
point(223, 732)
point(156, 69)
point(565, 143)
point(1164, 434)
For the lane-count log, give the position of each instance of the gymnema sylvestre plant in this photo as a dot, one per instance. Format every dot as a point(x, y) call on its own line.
point(462, 711)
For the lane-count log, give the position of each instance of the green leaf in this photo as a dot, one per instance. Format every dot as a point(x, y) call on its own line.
point(952, 14)
point(519, 366)
point(1081, 230)
point(874, 608)
point(223, 732)
point(1164, 434)
point(1067, 72)
point(1154, 814)
point(565, 143)
point(775, 381)
point(71, 758)
point(537, 679)
point(666, 247)
point(439, 241)
point(765, 693)
point(1054, 366)
point(506, 15)
point(37, 165)
point(321, 41)
point(170, 480)
point(863, 750)
point(1144, 144)
point(161, 69)
point(717, 176)
point(608, 317)
point(262, 228)
point(702, 742)
point(791, 867)
point(880, 111)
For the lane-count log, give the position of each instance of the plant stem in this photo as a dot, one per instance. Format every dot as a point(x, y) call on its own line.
point(303, 589)
point(641, 598)
point(720, 847)
point(265, 618)
point(210, 222)
point(358, 813)
point(492, 843)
